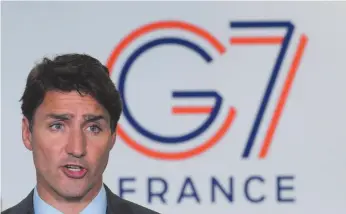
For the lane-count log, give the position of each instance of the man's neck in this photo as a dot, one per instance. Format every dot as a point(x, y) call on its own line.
point(64, 205)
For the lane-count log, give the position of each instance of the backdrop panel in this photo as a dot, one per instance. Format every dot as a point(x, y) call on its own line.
point(232, 107)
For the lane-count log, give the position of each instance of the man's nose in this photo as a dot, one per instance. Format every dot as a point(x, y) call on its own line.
point(76, 145)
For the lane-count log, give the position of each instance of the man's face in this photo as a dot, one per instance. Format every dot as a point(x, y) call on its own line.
point(71, 140)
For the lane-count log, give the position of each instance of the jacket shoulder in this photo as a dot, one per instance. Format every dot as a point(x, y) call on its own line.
point(7, 211)
point(23, 207)
point(16, 209)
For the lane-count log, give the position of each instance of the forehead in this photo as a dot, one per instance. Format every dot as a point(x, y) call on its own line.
point(70, 103)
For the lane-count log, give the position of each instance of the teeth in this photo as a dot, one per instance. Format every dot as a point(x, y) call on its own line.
point(75, 169)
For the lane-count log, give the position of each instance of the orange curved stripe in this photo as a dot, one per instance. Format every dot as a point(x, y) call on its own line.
point(181, 155)
point(283, 97)
point(157, 26)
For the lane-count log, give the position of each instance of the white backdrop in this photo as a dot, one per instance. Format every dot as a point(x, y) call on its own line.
point(307, 149)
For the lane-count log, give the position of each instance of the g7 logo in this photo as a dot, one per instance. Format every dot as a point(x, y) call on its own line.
point(212, 111)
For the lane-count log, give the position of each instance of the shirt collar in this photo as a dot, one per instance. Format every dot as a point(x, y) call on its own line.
point(97, 205)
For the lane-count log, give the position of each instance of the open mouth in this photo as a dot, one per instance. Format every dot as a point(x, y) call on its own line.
point(74, 171)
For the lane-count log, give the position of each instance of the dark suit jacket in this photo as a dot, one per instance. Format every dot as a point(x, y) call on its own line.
point(115, 205)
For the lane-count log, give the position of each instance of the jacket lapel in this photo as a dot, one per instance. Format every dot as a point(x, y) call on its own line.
point(30, 203)
point(115, 204)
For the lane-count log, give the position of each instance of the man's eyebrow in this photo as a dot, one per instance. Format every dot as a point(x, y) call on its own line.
point(92, 118)
point(87, 117)
point(59, 116)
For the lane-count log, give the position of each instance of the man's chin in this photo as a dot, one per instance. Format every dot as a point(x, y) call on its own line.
point(73, 194)
point(73, 191)
point(73, 198)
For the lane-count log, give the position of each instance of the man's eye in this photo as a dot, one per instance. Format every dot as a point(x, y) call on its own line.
point(94, 129)
point(56, 126)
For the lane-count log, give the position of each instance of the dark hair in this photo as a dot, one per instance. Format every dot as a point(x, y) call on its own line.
point(71, 72)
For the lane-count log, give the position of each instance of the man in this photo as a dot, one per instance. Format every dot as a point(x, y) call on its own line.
point(70, 112)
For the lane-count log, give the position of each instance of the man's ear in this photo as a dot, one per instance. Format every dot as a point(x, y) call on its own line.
point(26, 133)
point(114, 136)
